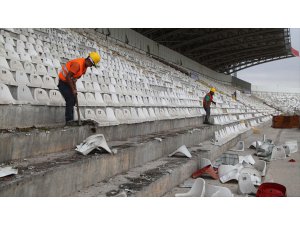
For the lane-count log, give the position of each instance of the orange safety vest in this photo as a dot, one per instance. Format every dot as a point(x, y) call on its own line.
point(66, 68)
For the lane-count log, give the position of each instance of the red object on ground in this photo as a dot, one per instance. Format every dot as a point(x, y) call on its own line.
point(206, 170)
point(292, 160)
point(295, 52)
point(271, 190)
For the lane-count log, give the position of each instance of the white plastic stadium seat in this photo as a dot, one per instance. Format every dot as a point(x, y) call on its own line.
point(5, 95)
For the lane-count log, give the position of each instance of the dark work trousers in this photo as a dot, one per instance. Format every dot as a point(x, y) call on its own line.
point(207, 110)
point(66, 92)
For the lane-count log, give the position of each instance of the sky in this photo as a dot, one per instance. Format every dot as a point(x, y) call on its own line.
point(279, 73)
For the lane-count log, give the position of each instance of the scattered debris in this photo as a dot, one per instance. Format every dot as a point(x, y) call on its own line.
point(245, 185)
point(248, 159)
point(207, 170)
point(271, 190)
point(158, 139)
point(278, 152)
point(197, 190)
point(240, 146)
point(93, 142)
point(182, 151)
point(6, 171)
point(202, 189)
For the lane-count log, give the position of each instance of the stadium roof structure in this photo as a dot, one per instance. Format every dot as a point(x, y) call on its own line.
point(225, 50)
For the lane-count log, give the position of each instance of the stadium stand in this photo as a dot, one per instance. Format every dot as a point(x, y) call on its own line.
point(132, 98)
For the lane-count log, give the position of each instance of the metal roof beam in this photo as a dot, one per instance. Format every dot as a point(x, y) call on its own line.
point(249, 34)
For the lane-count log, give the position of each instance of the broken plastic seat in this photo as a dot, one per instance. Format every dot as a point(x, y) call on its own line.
point(261, 166)
point(207, 170)
point(93, 142)
point(248, 159)
point(240, 146)
point(245, 185)
point(201, 188)
point(255, 175)
point(217, 191)
point(278, 152)
point(197, 190)
point(6, 171)
point(292, 146)
point(204, 162)
point(183, 151)
point(271, 190)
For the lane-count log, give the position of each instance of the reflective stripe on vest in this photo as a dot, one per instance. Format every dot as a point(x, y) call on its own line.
point(64, 70)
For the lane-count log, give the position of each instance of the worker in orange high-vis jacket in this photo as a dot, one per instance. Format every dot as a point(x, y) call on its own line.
point(207, 100)
point(69, 74)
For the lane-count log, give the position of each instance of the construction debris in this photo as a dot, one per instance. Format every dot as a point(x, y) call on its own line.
point(93, 142)
point(202, 189)
point(6, 171)
point(182, 151)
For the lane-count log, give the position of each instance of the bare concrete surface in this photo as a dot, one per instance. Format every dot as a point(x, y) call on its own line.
point(279, 171)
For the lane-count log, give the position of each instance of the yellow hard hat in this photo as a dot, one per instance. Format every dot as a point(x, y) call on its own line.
point(95, 57)
point(213, 90)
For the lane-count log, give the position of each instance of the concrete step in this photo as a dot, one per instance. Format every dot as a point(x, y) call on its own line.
point(31, 142)
point(60, 174)
point(157, 177)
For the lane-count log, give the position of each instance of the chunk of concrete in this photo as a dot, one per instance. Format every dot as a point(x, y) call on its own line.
point(182, 151)
point(96, 141)
point(6, 171)
point(197, 190)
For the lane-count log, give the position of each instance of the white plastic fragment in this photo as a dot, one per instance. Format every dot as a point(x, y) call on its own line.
point(200, 188)
point(292, 146)
point(245, 185)
point(248, 159)
point(6, 171)
point(255, 175)
point(255, 144)
point(240, 146)
point(217, 191)
point(204, 162)
point(261, 166)
point(197, 190)
point(182, 151)
point(278, 153)
point(96, 141)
